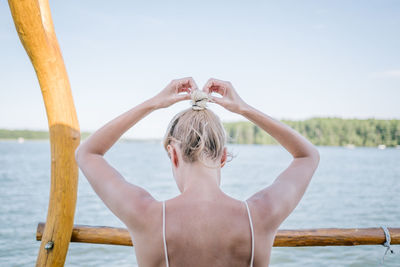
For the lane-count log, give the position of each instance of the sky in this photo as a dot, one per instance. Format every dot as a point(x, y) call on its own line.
point(289, 59)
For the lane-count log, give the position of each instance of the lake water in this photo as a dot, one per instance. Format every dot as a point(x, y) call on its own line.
point(351, 188)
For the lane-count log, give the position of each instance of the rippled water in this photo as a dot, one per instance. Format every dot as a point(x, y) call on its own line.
point(351, 188)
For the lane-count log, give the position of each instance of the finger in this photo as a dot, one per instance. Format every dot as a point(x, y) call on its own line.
point(214, 99)
point(177, 85)
point(183, 97)
point(220, 83)
point(188, 83)
point(192, 84)
point(184, 88)
point(217, 88)
point(206, 87)
point(215, 85)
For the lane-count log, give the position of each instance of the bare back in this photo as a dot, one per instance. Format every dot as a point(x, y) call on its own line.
point(213, 232)
point(203, 233)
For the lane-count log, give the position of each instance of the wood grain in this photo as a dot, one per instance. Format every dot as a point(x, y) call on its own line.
point(284, 238)
point(35, 29)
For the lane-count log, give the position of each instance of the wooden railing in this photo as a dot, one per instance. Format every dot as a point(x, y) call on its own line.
point(284, 238)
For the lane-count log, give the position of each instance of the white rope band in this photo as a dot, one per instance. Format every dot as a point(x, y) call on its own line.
point(387, 242)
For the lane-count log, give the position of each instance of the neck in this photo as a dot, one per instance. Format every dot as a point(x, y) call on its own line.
point(199, 181)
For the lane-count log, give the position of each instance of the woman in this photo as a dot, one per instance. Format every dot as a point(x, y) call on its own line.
point(202, 226)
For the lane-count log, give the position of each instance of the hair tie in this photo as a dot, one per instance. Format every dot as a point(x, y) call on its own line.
point(199, 100)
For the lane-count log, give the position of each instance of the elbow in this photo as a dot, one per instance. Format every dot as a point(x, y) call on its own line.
point(311, 153)
point(315, 156)
point(82, 154)
point(79, 153)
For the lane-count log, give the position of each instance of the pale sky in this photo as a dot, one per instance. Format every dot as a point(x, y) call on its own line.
point(290, 59)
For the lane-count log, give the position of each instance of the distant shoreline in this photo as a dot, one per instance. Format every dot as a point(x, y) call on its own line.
point(124, 140)
point(328, 131)
point(47, 139)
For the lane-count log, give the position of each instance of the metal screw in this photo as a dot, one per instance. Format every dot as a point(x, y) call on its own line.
point(49, 245)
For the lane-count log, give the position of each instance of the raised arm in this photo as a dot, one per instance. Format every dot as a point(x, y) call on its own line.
point(274, 203)
point(127, 201)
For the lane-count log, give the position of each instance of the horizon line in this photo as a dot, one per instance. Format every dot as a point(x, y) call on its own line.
point(233, 121)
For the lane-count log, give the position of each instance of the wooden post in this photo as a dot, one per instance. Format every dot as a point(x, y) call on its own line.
point(34, 25)
point(284, 238)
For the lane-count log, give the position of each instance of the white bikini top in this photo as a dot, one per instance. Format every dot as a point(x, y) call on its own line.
point(251, 228)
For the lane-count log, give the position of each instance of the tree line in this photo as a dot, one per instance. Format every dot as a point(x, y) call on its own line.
point(320, 131)
point(324, 132)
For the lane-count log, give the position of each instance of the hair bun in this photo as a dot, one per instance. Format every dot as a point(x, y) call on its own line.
point(199, 100)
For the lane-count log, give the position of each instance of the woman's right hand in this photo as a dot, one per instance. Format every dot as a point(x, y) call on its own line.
point(230, 98)
point(171, 93)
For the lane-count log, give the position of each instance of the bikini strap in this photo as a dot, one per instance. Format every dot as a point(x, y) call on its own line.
point(252, 234)
point(163, 231)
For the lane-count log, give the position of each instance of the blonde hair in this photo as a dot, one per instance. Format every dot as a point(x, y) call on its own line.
point(199, 133)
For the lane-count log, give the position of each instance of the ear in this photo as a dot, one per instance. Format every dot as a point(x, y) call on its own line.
point(223, 158)
point(173, 155)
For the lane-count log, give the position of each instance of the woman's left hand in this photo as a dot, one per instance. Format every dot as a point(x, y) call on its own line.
point(171, 93)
